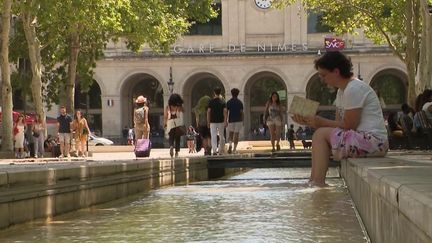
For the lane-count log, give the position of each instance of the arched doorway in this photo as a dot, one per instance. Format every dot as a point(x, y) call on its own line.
point(149, 87)
point(197, 86)
point(325, 95)
point(391, 84)
point(89, 101)
point(257, 91)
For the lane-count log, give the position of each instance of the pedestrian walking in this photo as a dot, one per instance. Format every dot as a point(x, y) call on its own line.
point(216, 121)
point(291, 136)
point(18, 132)
point(235, 120)
point(64, 121)
point(38, 136)
point(201, 121)
point(173, 123)
point(190, 139)
point(125, 132)
point(273, 117)
point(81, 132)
point(141, 122)
point(131, 137)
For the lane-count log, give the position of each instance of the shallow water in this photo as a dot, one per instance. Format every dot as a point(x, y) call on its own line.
point(262, 205)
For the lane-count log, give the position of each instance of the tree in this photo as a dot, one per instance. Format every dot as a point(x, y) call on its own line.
point(396, 23)
point(29, 20)
point(7, 104)
point(425, 63)
point(75, 33)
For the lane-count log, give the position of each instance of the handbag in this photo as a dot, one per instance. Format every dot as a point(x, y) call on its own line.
point(177, 125)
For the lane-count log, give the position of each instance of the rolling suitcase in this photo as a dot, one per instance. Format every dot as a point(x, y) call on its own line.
point(143, 147)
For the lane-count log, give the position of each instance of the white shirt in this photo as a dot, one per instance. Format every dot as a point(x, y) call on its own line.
point(358, 94)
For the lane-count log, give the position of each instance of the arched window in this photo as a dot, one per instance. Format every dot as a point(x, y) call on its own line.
point(150, 87)
point(391, 85)
point(318, 91)
point(262, 88)
point(205, 86)
point(259, 88)
point(90, 103)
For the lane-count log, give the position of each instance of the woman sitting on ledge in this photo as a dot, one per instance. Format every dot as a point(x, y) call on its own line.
point(357, 131)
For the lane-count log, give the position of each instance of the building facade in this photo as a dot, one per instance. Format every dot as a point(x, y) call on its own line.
point(250, 47)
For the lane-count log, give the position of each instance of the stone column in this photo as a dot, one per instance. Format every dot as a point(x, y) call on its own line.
point(242, 22)
point(111, 115)
point(225, 23)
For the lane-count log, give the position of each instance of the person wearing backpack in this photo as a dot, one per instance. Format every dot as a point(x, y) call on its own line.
point(141, 124)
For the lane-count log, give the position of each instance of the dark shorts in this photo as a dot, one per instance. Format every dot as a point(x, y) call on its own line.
point(204, 131)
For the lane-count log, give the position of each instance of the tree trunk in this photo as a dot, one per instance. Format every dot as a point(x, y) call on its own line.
point(412, 48)
point(34, 48)
point(425, 64)
point(73, 62)
point(7, 103)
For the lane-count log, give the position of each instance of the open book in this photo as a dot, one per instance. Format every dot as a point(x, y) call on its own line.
point(302, 106)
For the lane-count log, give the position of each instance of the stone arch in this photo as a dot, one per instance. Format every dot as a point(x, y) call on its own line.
point(149, 72)
point(325, 95)
point(186, 80)
point(90, 104)
point(265, 69)
point(259, 86)
point(318, 91)
point(197, 85)
point(392, 85)
point(101, 84)
point(141, 83)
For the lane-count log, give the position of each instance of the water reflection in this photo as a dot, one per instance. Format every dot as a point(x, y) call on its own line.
point(263, 205)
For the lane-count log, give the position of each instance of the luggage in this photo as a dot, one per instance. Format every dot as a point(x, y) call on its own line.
point(142, 148)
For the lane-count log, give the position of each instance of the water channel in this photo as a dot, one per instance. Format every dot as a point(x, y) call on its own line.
point(261, 205)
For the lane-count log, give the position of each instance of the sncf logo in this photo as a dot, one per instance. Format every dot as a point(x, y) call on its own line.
point(334, 44)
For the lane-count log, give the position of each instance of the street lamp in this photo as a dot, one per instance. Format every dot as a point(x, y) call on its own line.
point(170, 82)
point(359, 75)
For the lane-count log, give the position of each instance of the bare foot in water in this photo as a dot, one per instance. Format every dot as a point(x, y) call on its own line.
point(316, 184)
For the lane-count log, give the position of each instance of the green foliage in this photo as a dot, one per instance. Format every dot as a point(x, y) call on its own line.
point(383, 22)
point(157, 23)
point(395, 23)
point(391, 89)
point(320, 92)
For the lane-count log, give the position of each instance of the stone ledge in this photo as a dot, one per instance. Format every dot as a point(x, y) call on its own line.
point(7, 155)
point(403, 185)
point(27, 193)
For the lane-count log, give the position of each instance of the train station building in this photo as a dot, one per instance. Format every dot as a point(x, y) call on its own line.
point(248, 46)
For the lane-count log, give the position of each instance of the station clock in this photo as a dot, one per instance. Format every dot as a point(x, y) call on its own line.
point(263, 4)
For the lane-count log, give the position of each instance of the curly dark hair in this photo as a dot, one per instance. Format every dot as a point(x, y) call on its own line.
point(175, 100)
point(335, 59)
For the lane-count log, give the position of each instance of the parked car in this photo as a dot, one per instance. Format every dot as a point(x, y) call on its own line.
point(99, 141)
